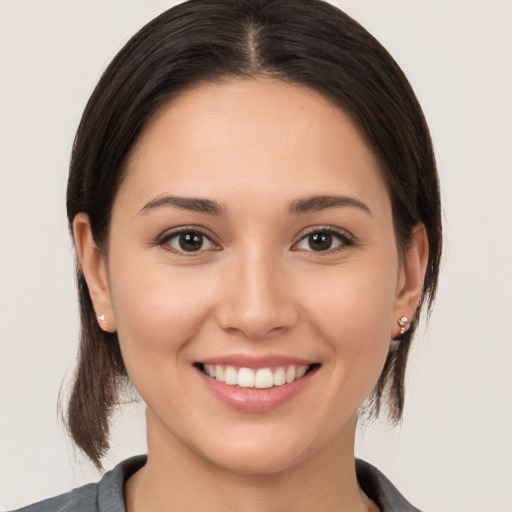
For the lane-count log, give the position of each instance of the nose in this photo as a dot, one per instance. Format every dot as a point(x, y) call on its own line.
point(257, 300)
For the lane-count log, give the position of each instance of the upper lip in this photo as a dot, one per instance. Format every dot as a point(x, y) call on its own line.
point(249, 361)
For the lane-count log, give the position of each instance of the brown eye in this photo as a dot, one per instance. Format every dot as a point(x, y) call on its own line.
point(323, 240)
point(320, 241)
point(189, 241)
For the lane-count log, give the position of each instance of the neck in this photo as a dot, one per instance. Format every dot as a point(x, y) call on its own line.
point(175, 479)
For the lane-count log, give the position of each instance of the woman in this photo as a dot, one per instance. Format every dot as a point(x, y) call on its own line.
point(255, 207)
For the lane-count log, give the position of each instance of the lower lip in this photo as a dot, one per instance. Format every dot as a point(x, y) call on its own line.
point(254, 399)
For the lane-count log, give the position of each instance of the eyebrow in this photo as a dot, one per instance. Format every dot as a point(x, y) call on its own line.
point(318, 203)
point(187, 203)
point(297, 207)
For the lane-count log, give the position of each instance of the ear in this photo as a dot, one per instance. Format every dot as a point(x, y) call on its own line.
point(93, 265)
point(411, 277)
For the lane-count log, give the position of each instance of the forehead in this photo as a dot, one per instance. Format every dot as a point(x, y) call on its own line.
point(256, 137)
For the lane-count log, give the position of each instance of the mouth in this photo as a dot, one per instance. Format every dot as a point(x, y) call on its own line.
point(260, 378)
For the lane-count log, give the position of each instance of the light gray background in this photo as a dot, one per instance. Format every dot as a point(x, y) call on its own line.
point(454, 449)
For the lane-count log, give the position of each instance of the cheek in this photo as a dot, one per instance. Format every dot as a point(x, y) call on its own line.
point(157, 311)
point(351, 310)
point(358, 298)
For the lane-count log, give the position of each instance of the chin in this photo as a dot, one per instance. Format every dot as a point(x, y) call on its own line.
point(258, 460)
point(269, 449)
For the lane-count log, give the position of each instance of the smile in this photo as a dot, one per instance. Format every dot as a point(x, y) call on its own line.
point(262, 378)
point(256, 384)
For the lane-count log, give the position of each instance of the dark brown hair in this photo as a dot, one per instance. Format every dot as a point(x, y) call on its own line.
point(307, 42)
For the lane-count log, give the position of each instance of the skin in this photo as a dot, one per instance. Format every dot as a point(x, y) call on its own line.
point(254, 147)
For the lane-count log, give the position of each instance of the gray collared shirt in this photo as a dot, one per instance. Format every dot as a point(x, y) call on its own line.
point(108, 496)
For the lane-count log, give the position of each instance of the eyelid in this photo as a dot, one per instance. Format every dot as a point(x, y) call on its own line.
point(346, 238)
point(164, 238)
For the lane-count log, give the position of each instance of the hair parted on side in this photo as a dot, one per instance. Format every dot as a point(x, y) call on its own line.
point(306, 42)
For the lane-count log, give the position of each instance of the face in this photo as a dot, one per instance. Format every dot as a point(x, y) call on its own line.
point(252, 242)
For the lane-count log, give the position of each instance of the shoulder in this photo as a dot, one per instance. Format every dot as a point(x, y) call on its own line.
point(82, 499)
point(379, 489)
point(105, 496)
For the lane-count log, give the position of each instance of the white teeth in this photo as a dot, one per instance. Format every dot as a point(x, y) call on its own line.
point(219, 373)
point(301, 371)
point(290, 374)
point(231, 376)
point(279, 377)
point(246, 378)
point(262, 379)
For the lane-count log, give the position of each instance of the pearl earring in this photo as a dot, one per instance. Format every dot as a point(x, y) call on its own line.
point(403, 322)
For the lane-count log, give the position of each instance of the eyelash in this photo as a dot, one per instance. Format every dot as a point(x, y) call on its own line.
point(345, 240)
point(166, 238)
